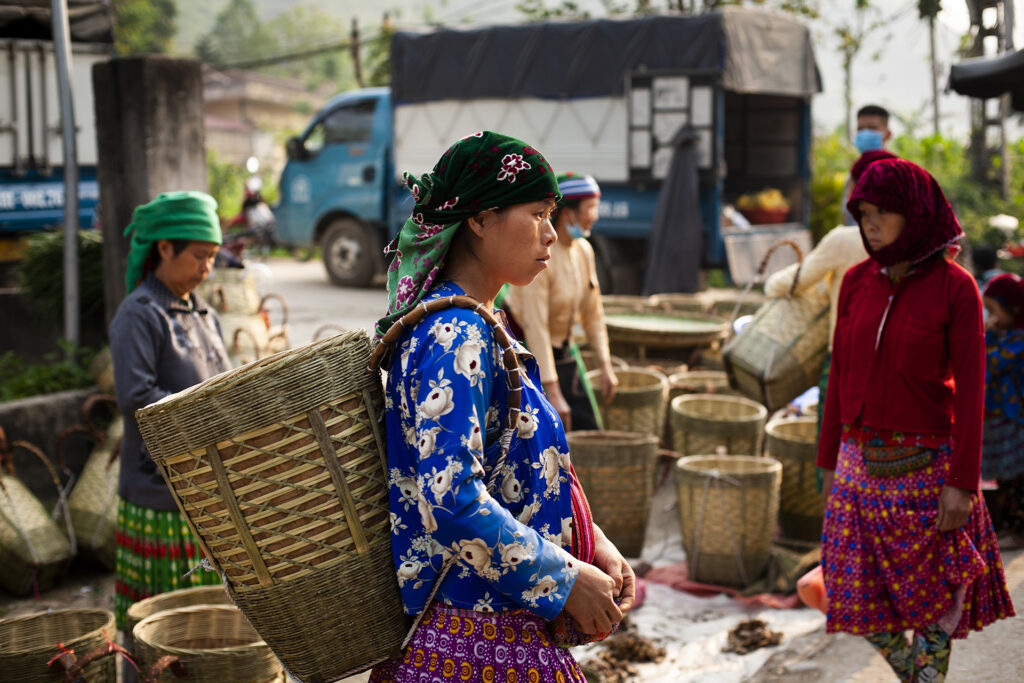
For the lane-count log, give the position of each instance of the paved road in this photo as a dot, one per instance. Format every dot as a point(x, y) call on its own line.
point(313, 302)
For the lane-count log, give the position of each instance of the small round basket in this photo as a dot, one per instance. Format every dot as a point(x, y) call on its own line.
point(591, 361)
point(801, 509)
point(211, 642)
point(698, 382)
point(701, 423)
point(28, 642)
point(617, 470)
point(185, 597)
point(728, 508)
point(639, 403)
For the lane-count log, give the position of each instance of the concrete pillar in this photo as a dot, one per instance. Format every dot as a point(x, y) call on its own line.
point(149, 129)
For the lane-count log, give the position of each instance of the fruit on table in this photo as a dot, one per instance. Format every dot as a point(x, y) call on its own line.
point(765, 199)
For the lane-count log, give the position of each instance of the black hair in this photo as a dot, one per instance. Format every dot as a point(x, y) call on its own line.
point(153, 259)
point(874, 110)
point(573, 204)
point(984, 257)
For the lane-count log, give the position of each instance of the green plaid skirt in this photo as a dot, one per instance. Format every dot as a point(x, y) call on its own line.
point(155, 548)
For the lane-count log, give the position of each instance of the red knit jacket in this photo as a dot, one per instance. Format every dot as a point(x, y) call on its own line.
point(896, 353)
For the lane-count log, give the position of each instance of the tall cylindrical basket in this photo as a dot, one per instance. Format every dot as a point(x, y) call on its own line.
point(728, 509)
point(702, 423)
point(617, 469)
point(802, 508)
point(639, 402)
point(184, 597)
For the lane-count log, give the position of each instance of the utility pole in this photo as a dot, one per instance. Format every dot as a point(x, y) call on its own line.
point(62, 49)
point(354, 45)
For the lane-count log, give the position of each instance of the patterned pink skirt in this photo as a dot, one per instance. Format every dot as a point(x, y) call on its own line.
point(887, 568)
point(462, 645)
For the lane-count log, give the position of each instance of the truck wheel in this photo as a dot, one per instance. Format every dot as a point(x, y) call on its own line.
point(350, 252)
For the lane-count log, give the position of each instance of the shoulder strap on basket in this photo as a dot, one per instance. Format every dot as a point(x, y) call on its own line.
point(513, 380)
point(763, 267)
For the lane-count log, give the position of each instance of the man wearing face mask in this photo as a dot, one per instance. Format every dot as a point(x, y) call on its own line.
point(872, 134)
point(565, 293)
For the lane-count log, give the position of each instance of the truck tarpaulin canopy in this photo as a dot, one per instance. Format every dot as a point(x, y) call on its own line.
point(90, 22)
point(754, 51)
point(986, 77)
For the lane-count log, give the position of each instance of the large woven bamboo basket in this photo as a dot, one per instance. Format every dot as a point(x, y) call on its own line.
point(246, 337)
point(28, 642)
point(35, 550)
point(639, 402)
point(591, 361)
point(698, 382)
point(701, 423)
point(211, 642)
point(802, 508)
point(280, 468)
point(728, 509)
point(617, 470)
point(625, 302)
point(93, 500)
point(183, 597)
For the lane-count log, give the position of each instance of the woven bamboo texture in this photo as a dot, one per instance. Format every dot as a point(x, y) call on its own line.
point(184, 597)
point(639, 402)
point(666, 366)
point(231, 290)
point(616, 303)
point(28, 642)
point(212, 643)
point(102, 370)
point(246, 336)
point(659, 328)
point(802, 508)
point(689, 303)
point(779, 354)
point(617, 471)
point(728, 508)
point(698, 382)
point(93, 500)
point(34, 550)
point(701, 423)
point(280, 468)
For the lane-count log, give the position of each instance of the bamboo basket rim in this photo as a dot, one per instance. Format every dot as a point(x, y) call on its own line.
point(619, 437)
point(662, 379)
point(162, 602)
point(678, 377)
point(44, 649)
point(194, 403)
point(777, 429)
point(760, 412)
point(153, 621)
point(732, 465)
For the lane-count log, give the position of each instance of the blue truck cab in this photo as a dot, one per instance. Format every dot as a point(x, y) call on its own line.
point(338, 188)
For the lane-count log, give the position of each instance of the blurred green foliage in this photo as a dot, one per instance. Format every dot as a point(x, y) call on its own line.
point(41, 273)
point(144, 26)
point(61, 370)
point(226, 182)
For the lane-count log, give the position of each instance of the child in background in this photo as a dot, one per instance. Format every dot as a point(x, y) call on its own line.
point(1002, 456)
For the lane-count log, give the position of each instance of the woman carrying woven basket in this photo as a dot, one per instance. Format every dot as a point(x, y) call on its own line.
point(163, 339)
point(907, 544)
point(477, 477)
point(563, 294)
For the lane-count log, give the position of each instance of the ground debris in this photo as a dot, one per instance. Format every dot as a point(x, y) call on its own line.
point(750, 635)
point(614, 662)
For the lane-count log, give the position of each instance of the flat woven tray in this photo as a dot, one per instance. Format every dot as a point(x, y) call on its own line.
point(666, 329)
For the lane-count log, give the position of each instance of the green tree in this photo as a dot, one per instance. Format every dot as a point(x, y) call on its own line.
point(237, 35)
point(851, 37)
point(144, 26)
point(539, 10)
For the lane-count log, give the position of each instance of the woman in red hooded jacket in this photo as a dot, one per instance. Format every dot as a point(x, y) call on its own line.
point(907, 543)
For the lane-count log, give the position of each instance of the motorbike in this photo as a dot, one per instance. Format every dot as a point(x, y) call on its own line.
point(253, 228)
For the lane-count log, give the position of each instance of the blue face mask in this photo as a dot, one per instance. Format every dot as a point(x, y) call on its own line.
point(575, 231)
point(868, 139)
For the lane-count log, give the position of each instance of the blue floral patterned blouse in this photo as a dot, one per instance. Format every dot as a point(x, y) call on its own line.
point(1004, 374)
point(446, 407)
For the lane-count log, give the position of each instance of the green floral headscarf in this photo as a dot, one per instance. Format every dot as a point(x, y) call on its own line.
point(479, 172)
point(171, 216)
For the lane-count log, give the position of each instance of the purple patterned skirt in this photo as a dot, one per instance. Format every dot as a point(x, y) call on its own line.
point(887, 568)
point(462, 645)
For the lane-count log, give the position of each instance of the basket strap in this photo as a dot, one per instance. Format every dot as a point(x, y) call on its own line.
point(166, 662)
point(279, 299)
point(62, 497)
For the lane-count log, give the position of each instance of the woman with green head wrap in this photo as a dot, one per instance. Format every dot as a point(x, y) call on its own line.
point(163, 339)
point(525, 551)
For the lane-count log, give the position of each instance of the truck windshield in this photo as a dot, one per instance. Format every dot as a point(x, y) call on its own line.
point(348, 123)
